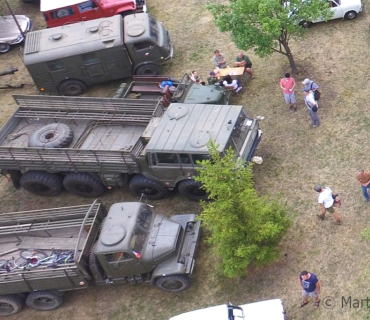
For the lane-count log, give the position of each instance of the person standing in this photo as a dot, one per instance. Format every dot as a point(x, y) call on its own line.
point(242, 60)
point(363, 177)
point(310, 85)
point(310, 288)
point(287, 84)
point(219, 60)
point(326, 202)
point(312, 107)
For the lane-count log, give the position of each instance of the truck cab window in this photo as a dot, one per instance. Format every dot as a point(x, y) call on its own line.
point(117, 256)
point(167, 158)
point(185, 158)
point(90, 58)
point(145, 217)
point(138, 239)
point(143, 45)
point(56, 65)
point(86, 6)
point(200, 157)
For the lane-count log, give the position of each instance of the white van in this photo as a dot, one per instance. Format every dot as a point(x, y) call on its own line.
point(262, 310)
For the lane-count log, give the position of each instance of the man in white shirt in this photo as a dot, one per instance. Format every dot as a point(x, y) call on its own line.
point(326, 202)
point(312, 107)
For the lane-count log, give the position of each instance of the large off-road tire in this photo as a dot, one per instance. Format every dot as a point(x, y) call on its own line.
point(350, 15)
point(153, 190)
point(149, 69)
point(42, 183)
point(4, 47)
point(191, 189)
point(84, 185)
point(44, 300)
point(53, 135)
point(72, 88)
point(177, 282)
point(10, 304)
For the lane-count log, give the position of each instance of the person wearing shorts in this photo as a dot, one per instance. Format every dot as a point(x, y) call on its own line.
point(242, 60)
point(326, 202)
point(310, 288)
point(287, 84)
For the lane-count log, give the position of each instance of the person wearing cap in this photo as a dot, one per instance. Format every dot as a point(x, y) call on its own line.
point(326, 202)
point(213, 78)
point(312, 107)
point(242, 60)
point(363, 177)
point(309, 85)
point(287, 84)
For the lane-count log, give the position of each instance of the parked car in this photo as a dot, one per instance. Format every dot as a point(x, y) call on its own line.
point(10, 33)
point(262, 310)
point(342, 9)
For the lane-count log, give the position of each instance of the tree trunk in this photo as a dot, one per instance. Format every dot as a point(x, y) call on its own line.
point(289, 55)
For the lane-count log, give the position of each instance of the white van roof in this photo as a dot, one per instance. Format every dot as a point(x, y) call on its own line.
point(262, 310)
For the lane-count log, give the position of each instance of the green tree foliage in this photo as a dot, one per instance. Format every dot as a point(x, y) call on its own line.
point(268, 25)
point(244, 227)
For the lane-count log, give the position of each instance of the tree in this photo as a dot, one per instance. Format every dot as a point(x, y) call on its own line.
point(244, 228)
point(267, 26)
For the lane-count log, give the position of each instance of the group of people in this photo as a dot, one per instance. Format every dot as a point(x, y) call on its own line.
point(220, 62)
point(311, 96)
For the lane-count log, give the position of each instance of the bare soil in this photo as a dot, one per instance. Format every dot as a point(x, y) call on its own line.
point(296, 157)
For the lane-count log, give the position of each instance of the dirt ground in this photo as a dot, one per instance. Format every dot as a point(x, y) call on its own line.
point(296, 157)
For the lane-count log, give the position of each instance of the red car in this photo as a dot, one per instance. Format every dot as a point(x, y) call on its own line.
point(61, 12)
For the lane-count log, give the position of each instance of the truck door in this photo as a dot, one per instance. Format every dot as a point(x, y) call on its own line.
point(169, 166)
point(123, 264)
point(89, 10)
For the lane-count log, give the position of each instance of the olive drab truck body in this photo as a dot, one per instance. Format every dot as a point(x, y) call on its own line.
point(129, 244)
point(65, 60)
point(87, 145)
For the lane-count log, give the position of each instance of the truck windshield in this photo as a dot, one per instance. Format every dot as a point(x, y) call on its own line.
point(153, 29)
point(140, 234)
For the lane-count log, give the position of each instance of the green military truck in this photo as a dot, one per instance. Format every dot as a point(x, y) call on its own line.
point(185, 91)
point(88, 145)
point(46, 253)
point(65, 60)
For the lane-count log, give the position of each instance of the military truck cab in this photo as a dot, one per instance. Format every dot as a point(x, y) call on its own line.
point(58, 13)
point(67, 59)
point(179, 140)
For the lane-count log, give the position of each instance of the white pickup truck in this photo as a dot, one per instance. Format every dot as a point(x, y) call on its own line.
point(262, 310)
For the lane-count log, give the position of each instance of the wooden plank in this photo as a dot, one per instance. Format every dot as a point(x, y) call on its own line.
point(49, 243)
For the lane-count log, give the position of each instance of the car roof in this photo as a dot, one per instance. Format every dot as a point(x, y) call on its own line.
point(46, 5)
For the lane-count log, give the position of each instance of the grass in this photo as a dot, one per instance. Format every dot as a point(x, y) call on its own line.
point(296, 157)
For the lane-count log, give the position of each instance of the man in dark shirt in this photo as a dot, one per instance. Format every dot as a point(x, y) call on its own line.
point(310, 288)
point(363, 178)
point(242, 60)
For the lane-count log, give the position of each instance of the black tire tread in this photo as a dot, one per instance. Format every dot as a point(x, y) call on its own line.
point(71, 179)
point(179, 277)
point(139, 181)
point(35, 295)
point(15, 301)
point(63, 87)
point(184, 187)
point(63, 139)
point(50, 180)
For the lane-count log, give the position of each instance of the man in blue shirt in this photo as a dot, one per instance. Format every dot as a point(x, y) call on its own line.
point(310, 288)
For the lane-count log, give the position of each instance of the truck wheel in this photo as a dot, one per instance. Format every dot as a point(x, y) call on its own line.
point(191, 189)
point(84, 185)
point(350, 15)
point(41, 183)
point(72, 88)
point(44, 300)
point(53, 135)
point(176, 282)
point(153, 190)
point(4, 47)
point(149, 69)
point(305, 24)
point(10, 304)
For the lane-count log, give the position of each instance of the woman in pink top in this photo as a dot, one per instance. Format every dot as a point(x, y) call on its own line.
point(288, 84)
